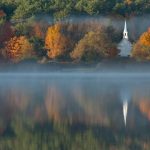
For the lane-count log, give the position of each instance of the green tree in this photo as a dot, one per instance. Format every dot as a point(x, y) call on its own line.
point(91, 7)
point(38, 46)
point(26, 8)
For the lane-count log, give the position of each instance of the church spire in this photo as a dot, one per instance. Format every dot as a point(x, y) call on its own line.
point(125, 32)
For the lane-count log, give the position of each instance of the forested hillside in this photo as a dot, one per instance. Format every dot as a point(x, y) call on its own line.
point(36, 29)
point(59, 8)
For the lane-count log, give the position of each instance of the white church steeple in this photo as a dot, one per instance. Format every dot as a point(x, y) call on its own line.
point(125, 32)
point(125, 46)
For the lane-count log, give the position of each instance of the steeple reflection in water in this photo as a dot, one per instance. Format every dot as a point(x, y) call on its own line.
point(125, 96)
point(125, 111)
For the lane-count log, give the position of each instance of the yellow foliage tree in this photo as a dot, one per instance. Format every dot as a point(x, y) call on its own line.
point(56, 42)
point(94, 46)
point(18, 48)
point(141, 50)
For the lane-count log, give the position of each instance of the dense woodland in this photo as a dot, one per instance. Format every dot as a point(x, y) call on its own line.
point(24, 37)
point(19, 9)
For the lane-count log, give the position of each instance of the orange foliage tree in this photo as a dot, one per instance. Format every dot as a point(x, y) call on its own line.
point(18, 48)
point(129, 2)
point(145, 38)
point(144, 107)
point(141, 50)
point(56, 43)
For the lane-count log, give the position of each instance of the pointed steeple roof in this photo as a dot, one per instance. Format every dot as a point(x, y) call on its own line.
point(125, 27)
point(125, 32)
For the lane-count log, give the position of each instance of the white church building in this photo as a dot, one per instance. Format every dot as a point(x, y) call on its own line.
point(125, 45)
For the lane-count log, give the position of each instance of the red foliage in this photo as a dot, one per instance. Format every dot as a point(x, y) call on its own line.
point(2, 13)
point(6, 32)
point(38, 30)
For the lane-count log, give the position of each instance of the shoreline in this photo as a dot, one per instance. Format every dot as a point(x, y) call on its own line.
point(122, 65)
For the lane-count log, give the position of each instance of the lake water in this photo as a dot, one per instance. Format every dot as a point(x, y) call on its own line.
point(70, 111)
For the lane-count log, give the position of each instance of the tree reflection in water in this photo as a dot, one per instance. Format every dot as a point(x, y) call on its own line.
point(72, 114)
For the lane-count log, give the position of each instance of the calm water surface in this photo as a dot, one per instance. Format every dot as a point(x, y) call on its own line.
point(68, 112)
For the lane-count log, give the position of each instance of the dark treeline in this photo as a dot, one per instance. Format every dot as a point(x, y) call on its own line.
point(24, 8)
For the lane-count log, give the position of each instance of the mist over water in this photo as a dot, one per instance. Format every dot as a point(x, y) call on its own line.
point(136, 24)
point(79, 98)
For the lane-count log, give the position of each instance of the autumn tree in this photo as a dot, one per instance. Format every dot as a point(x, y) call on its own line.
point(2, 14)
point(2, 17)
point(145, 38)
point(38, 30)
point(144, 107)
point(141, 49)
point(56, 43)
point(18, 48)
point(94, 46)
point(6, 32)
point(37, 36)
point(129, 2)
